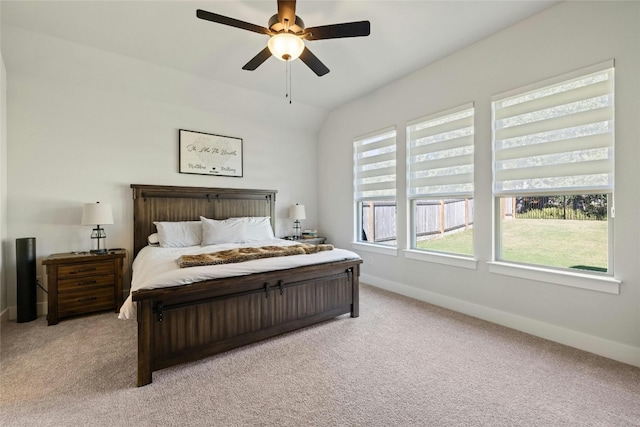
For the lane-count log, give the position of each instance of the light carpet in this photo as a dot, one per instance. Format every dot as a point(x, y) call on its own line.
point(401, 363)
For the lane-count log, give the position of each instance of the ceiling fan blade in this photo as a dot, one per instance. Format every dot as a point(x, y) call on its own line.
point(214, 17)
point(336, 31)
point(313, 62)
point(287, 11)
point(258, 59)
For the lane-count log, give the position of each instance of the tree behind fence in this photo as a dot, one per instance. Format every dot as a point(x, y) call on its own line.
point(572, 207)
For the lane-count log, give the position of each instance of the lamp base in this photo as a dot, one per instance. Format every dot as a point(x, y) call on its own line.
point(98, 243)
point(296, 230)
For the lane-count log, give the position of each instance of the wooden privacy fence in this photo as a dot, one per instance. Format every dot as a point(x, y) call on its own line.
point(378, 221)
point(437, 217)
point(432, 218)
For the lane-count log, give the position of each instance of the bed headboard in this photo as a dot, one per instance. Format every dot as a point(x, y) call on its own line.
point(169, 203)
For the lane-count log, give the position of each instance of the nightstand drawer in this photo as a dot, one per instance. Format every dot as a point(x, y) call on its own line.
point(79, 283)
point(85, 269)
point(85, 301)
point(313, 240)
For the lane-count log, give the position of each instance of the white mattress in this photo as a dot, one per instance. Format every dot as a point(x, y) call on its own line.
point(155, 267)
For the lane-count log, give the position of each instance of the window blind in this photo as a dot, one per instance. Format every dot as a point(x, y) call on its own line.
point(375, 166)
point(440, 153)
point(557, 138)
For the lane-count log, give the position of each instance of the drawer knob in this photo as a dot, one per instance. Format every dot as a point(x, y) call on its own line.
point(87, 299)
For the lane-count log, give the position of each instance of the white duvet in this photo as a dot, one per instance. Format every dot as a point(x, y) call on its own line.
point(155, 267)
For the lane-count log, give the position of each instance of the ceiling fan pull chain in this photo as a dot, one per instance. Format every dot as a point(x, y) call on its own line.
point(287, 80)
point(290, 72)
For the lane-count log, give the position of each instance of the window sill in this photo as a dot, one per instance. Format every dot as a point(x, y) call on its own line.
point(379, 249)
point(592, 282)
point(442, 258)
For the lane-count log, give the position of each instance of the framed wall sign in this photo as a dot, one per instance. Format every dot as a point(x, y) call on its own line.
point(209, 154)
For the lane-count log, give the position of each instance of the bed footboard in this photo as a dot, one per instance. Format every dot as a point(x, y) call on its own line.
point(181, 324)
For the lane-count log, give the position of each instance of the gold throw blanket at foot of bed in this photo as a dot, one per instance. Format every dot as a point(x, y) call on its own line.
point(246, 254)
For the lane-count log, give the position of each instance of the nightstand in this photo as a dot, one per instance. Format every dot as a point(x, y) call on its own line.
point(313, 241)
point(80, 283)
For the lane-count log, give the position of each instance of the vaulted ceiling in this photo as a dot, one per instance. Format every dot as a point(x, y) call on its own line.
point(405, 36)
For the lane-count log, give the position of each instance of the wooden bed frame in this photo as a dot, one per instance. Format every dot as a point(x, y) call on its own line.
point(190, 322)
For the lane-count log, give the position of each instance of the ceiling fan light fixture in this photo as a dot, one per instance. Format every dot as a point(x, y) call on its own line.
point(286, 46)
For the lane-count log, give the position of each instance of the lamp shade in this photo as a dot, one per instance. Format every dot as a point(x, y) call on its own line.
point(297, 212)
point(285, 46)
point(97, 214)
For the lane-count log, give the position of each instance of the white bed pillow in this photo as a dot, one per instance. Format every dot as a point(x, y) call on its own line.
point(153, 239)
point(215, 232)
point(258, 228)
point(179, 234)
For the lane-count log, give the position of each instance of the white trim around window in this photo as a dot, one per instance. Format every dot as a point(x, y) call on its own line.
point(442, 258)
point(440, 183)
point(556, 138)
point(374, 174)
point(593, 282)
point(374, 248)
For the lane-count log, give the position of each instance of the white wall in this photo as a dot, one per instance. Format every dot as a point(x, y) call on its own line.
point(84, 124)
point(564, 38)
point(4, 243)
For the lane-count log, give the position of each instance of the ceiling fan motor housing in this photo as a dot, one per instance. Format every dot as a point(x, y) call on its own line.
point(276, 26)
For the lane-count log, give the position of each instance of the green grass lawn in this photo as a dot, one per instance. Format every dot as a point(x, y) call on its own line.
point(460, 242)
point(550, 242)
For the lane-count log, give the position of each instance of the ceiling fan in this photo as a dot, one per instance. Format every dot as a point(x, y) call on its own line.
point(287, 34)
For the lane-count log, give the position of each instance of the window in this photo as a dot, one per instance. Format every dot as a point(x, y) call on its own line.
point(440, 181)
point(375, 187)
point(553, 172)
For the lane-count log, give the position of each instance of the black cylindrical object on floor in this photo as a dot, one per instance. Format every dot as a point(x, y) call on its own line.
point(26, 275)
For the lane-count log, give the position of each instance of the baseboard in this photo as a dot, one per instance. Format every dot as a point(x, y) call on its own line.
point(4, 316)
point(600, 346)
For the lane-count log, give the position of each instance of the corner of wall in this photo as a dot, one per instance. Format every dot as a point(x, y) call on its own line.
point(3, 185)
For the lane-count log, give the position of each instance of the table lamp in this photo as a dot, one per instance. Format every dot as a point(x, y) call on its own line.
point(97, 214)
point(296, 213)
